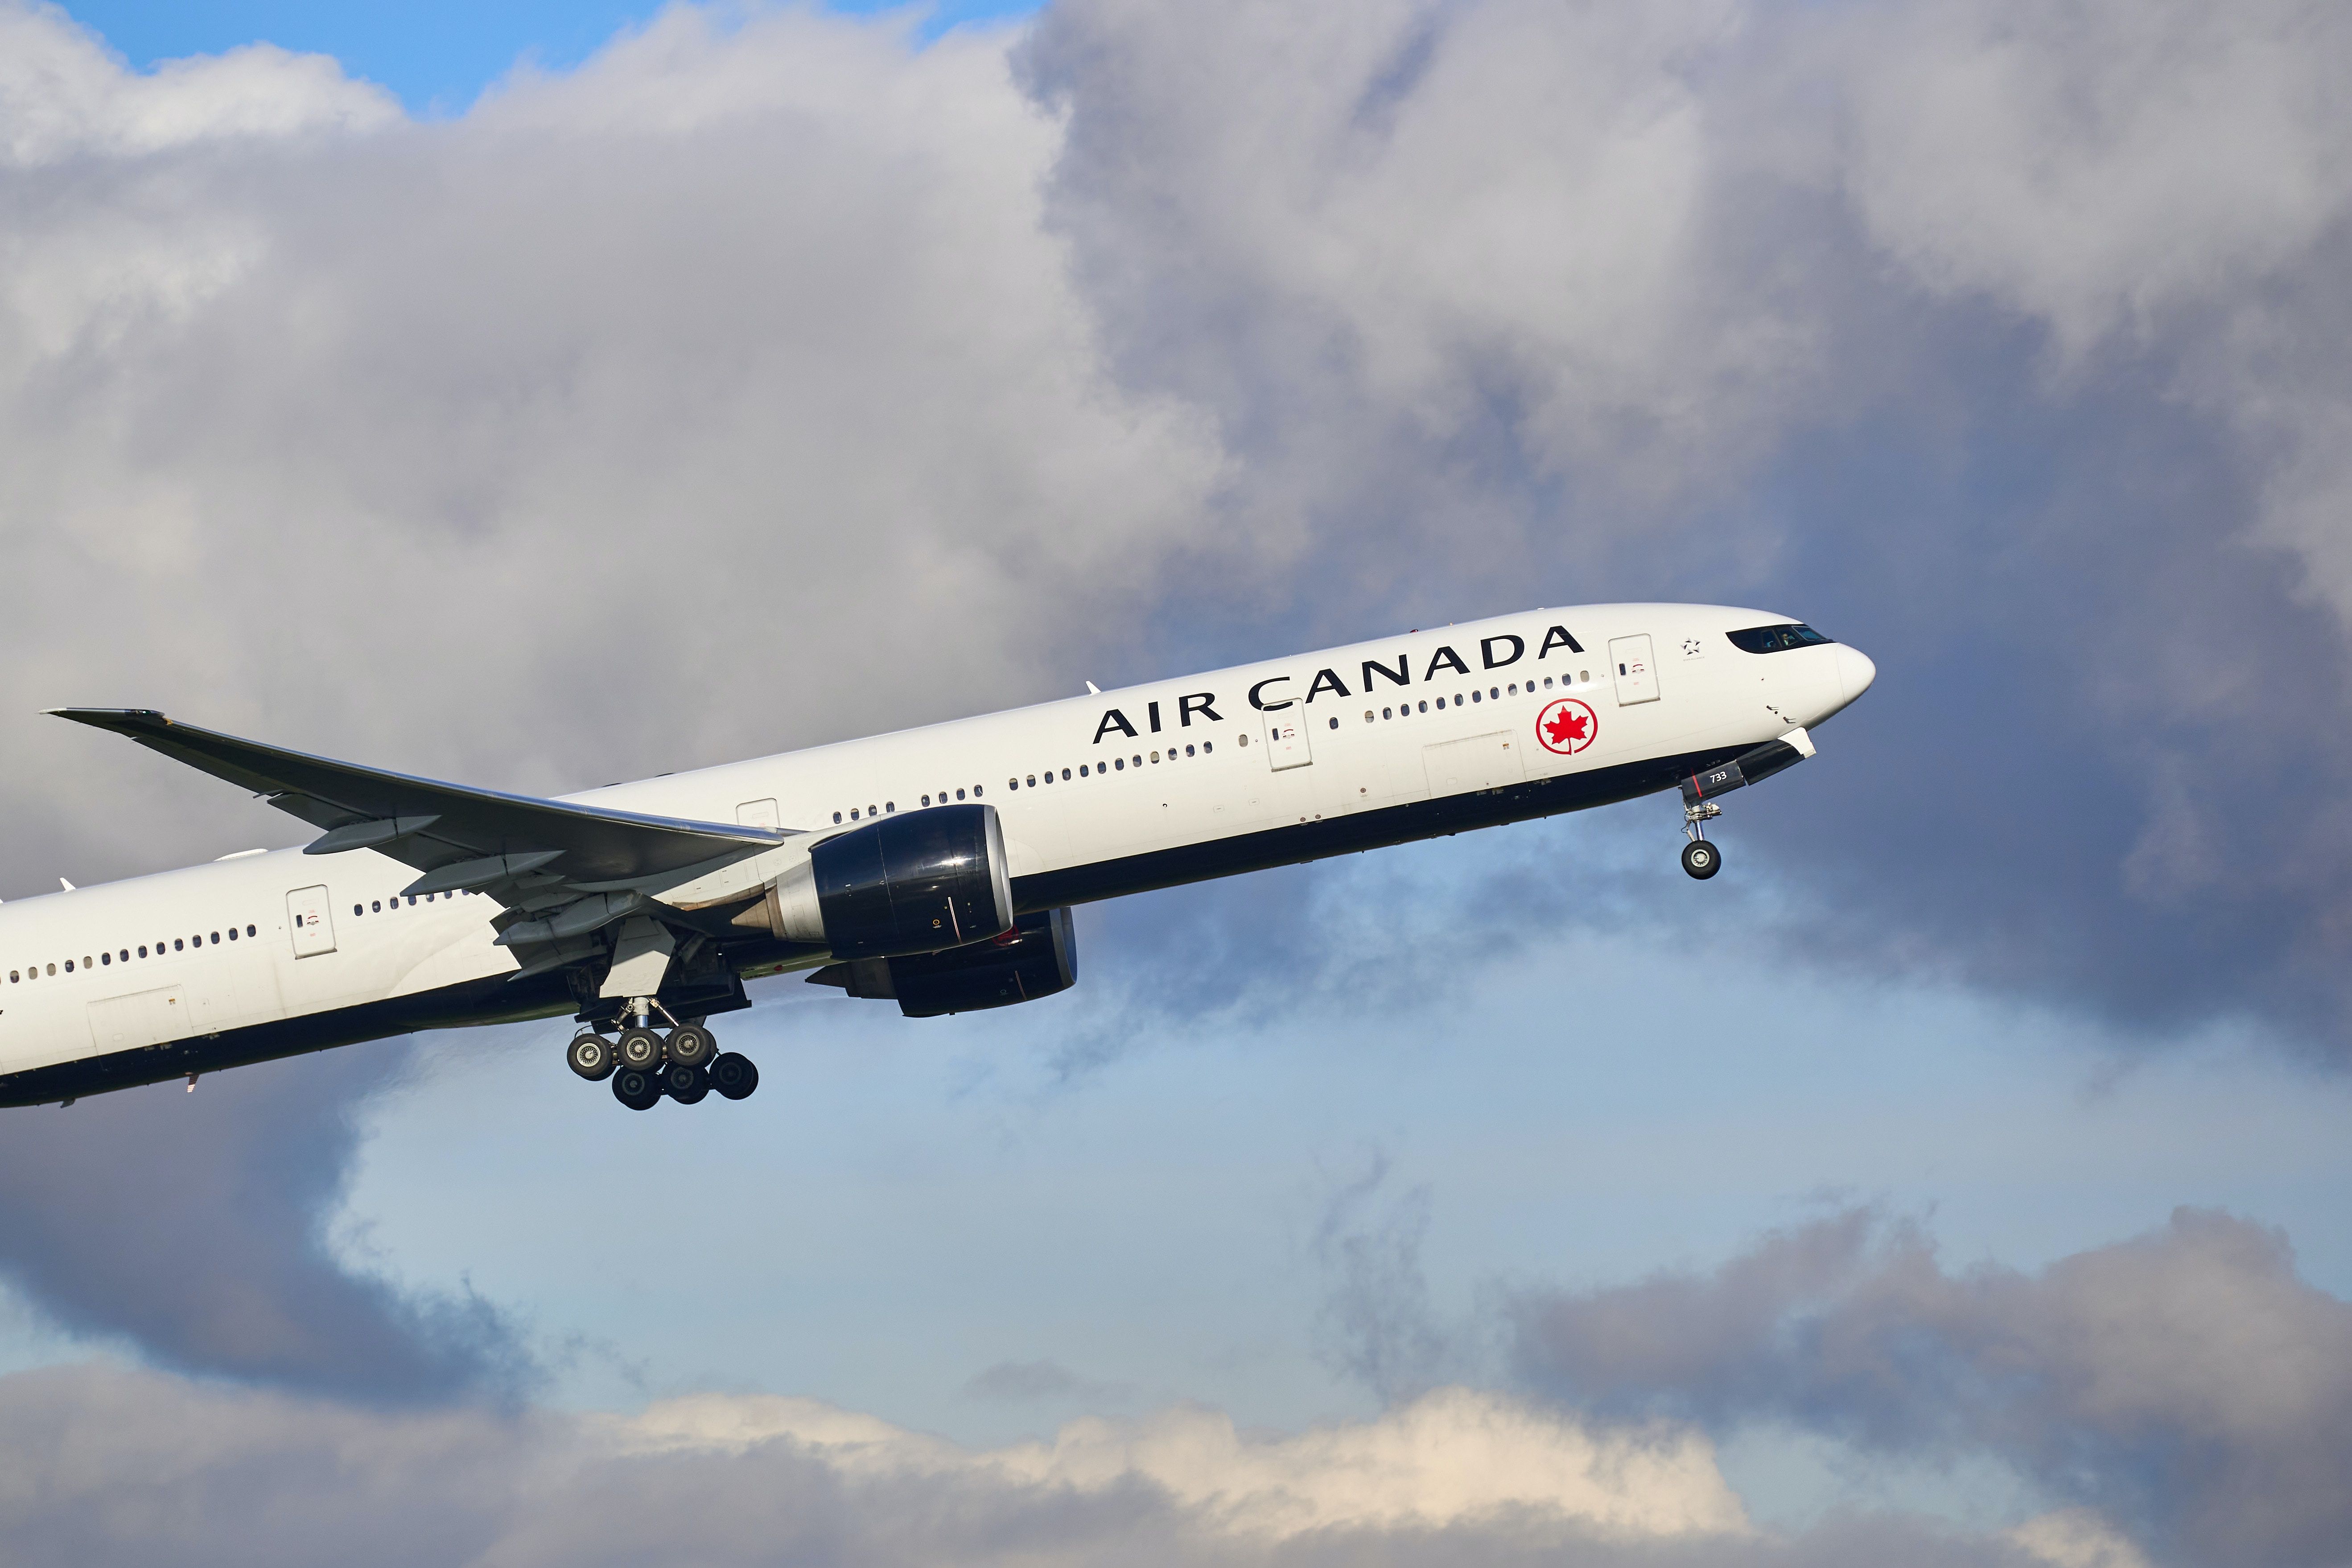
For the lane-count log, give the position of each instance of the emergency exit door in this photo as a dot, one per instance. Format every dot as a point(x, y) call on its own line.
point(1636, 672)
point(314, 925)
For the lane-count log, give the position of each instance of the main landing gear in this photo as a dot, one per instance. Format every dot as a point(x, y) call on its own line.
point(645, 1064)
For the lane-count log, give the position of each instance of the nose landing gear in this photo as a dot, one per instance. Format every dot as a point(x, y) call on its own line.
point(646, 1064)
point(1700, 858)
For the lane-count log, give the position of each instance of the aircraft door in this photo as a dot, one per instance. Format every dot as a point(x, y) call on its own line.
point(1636, 672)
point(312, 923)
point(758, 813)
point(1285, 741)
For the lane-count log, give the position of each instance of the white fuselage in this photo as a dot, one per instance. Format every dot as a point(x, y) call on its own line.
point(1085, 788)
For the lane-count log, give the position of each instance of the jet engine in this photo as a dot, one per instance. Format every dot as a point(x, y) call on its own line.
point(1036, 958)
point(919, 882)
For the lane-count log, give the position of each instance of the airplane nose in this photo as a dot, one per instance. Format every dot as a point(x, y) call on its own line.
point(1855, 672)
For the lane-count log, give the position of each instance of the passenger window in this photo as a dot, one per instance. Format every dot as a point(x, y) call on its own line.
point(126, 956)
point(891, 806)
point(1424, 706)
point(142, 951)
point(1207, 746)
point(958, 794)
point(1155, 756)
point(1367, 715)
point(1496, 693)
point(356, 909)
point(1335, 721)
point(53, 969)
point(975, 792)
point(106, 958)
point(870, 811)
point(1138, 761)
point(69, 966)
point(1441, 705)
point(232, 933)
point(1584, 676)
point(248, 930)
point(853, 813)
point(377, 906)
point(1244, 740)
point(1119, 762)
point(215, 938)
point(836, 816)
point(1188, 751)
point(1082, 771)
point(1474, 697)
point(927, 800)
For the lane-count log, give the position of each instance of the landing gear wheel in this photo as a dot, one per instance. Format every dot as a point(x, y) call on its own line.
point(590, 1056)
point(692, 1045)
point(685, 1083)
point(733, 1074)
point(636, 1089)
point(640, 1048)
point(1701, 859)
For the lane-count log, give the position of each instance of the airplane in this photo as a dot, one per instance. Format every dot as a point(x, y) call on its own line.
point(934, 867)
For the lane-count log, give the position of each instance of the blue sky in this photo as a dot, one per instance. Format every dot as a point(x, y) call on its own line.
point(1195, 334)
point(437, 56)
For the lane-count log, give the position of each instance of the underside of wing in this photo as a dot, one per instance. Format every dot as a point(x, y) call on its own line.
point(566, 871)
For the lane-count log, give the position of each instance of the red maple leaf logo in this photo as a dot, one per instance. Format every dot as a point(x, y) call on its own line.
point(1565, 728)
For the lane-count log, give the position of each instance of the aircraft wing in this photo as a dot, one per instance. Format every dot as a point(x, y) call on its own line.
point(518, 848)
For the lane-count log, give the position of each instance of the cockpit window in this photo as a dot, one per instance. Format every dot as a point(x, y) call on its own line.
point(1773, 639)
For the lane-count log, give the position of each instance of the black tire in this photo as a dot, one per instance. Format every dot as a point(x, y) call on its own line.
point(685, 1083)
point(590, 1056)
point(692, 1045)
point(636, 1089)
point(733, 1074)
point(640, 1048)
point(1701, 859)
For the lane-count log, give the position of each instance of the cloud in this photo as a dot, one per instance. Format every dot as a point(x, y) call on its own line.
point(193, 1225)
point(2186, 1381)
point(2011, 351)
point(722, 396)
point(1033, 1382)
point(114, 1467)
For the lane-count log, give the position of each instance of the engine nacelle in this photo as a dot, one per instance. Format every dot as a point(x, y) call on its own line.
point(922, 882)
point(1038, 957)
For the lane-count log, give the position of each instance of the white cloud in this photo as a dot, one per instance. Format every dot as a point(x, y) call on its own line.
point(64, 95)
point(726, 395)
point(1453, 1456)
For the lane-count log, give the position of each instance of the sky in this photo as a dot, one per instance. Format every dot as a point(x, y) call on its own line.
point(541, 397)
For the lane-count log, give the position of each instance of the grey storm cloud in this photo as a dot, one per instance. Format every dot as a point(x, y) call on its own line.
point(2187, 1382)
point(2011, 346)
point(193, 1225)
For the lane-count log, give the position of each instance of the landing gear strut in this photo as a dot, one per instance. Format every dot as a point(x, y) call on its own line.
point(1700, 858)
point(644, 1063)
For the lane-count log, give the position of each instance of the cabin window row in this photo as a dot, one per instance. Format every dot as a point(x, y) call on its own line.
point(1492, 694)
point(121, 955)
point(1098, 769)
point(376, 906)
point(891, 805)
